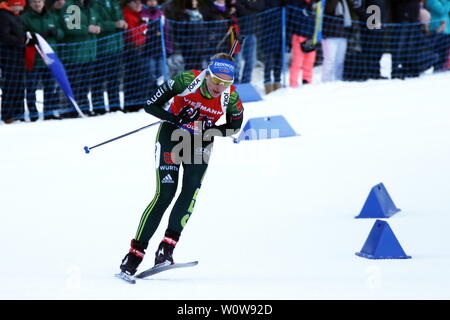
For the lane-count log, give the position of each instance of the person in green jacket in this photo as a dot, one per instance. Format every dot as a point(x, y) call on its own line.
point(38, 19)
point(109, 56)
point(81, 23)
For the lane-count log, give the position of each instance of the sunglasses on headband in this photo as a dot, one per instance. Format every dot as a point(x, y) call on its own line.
point(217, 80)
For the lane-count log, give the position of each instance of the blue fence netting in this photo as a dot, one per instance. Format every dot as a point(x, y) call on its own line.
point(118, 71)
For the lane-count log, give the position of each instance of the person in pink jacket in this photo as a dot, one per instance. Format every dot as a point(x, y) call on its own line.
point(302, 61)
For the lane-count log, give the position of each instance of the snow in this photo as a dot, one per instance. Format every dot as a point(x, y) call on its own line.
point(274, 218)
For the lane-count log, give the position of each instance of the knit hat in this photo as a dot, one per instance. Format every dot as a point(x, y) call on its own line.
point(16, 3)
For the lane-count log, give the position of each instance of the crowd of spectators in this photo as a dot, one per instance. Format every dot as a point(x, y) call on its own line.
point(114, 46)
point(415, 33)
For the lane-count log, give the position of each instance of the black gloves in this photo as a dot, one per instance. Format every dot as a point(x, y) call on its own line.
point(51, 33)
point(206, 124)
point(308, 46)
point(187, 115)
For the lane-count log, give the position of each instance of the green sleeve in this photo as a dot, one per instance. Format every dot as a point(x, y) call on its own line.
point(176, 85)
point(106, 23)
point(234, 116)
point(26, 21)
point(59, 28)
point(169, 89)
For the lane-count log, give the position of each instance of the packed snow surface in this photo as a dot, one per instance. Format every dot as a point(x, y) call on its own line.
point(274, 218)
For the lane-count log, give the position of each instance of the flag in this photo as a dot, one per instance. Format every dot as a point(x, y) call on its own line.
point(56, 67)
point(30, 53)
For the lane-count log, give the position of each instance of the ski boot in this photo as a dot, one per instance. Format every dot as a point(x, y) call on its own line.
point(163, 256)
point(132, 260)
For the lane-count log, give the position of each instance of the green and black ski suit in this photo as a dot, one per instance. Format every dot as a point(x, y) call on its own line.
point(186, 89)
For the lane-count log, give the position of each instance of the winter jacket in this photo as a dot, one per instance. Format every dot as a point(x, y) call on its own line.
point(211, 13)
point(440, 11)
point(303, 17)
point(270, 4)
point(246, 11)
point(271, 27)
point(405, 11)
point(180, 12)
point(154, 32)
point(110, 38)
point(216, 31)
point(12, 32)
point(46, 24)
point(334, 19)
point(135, 36)
point(248, 7)
point(12, 36)
point(82, 46)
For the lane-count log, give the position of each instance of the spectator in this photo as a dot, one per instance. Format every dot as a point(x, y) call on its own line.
point(246, 11)
point(406, 34)
point(36, 18)
point(372, 42)
point(12, 39)
point(426, 50)
point(440, 26)
point(56, 5)
point(220, 11)
point(107, 67)
point(81, 24)
point(336, 29)
point(272, 54)
point(304, 30)
point(151, 14)
point(136, 63)
point(213, 10)
point(424, 17)
point(188, 32)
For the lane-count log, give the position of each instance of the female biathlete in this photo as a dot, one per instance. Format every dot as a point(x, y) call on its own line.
point(185, 137)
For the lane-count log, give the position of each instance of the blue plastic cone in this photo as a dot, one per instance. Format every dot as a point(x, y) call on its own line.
point(378, 204)
point(247, 92)
point(382, 244)
point(266, 128)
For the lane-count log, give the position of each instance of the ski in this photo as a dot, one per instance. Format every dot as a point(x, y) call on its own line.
point(161, 268)
point(126, 277)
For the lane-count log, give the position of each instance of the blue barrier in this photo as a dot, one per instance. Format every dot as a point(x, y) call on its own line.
point(378, 204)
point(269, 127)
point(382, 244)
point(119, 77)
point(247, 92)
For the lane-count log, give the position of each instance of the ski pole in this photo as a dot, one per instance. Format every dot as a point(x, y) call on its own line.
point(239, 38)
point(88, 149)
